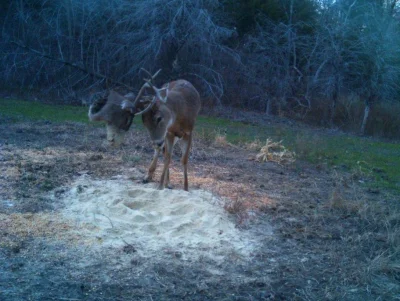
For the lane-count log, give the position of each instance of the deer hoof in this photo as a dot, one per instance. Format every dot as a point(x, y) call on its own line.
point(146, 180)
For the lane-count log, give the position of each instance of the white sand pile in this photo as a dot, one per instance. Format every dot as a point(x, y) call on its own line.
point(119, 212)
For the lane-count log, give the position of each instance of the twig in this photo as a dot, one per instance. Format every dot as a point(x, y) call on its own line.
point(71, 64)
point(127, 243)
point(112, 225)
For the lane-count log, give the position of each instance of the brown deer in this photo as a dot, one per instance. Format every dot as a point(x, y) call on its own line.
point(168, 116)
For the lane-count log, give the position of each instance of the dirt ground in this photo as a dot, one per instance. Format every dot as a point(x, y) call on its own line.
point(331, 239)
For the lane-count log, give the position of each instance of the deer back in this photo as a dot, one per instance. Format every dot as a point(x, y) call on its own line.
point(184, 101)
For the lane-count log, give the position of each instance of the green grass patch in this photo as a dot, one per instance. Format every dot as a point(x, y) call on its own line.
point(364, 157)
point(20, 109)
point(239, 133)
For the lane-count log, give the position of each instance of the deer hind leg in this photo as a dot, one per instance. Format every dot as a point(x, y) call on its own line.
point(166, 182)
point(169, 144)
point(153, 166)
point(185, 145)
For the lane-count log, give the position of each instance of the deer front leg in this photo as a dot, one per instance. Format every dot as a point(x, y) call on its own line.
point(169, 143)
point(185, 144)
point(167, 182)
point(153, 165)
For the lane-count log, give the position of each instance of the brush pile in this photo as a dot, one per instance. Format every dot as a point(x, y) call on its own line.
point(275, 152)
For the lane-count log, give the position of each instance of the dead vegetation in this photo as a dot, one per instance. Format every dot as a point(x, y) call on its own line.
point(275, 152)
point(322, 236)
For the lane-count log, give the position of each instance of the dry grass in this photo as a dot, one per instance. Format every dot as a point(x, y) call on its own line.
point(29, 224)
point(18, 227)
point(333, 240)
point(275, 152)
point(254, 145)
point(239, 209)
point(206, 136)
point(346, 206)
point(220, 141)
point(375, 237)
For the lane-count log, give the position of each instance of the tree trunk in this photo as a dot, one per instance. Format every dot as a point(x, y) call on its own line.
point(334, 101)
point(269, 106)
point(333, 109)
point(365, 119)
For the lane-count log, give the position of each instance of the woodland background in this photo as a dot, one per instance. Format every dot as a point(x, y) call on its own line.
point(329, 63)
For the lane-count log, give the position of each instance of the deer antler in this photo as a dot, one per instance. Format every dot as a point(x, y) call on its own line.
point(153, 101)
point(149, 84)
point(152, 77)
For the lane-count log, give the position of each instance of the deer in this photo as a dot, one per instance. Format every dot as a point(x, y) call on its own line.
point(169, 115)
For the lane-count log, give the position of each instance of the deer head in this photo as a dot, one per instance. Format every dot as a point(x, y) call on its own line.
point(118, 120)
point(118, 111)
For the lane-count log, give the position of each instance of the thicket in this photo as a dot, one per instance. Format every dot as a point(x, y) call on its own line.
point(333, 63)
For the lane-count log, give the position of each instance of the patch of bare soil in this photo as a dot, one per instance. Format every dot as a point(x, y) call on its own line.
point(319, 236)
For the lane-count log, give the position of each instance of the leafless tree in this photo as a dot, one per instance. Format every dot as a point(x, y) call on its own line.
point(347, 47)
point(371, 63)
point(274, 58)
point(117, 38)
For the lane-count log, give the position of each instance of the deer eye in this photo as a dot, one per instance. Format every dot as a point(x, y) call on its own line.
point(158, 120)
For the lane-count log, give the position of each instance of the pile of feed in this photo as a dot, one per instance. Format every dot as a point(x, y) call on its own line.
point(120, 212)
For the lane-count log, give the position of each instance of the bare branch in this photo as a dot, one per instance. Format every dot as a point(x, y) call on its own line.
point(71, 64)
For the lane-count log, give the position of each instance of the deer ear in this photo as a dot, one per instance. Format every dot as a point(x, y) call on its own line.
point(130, 96)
